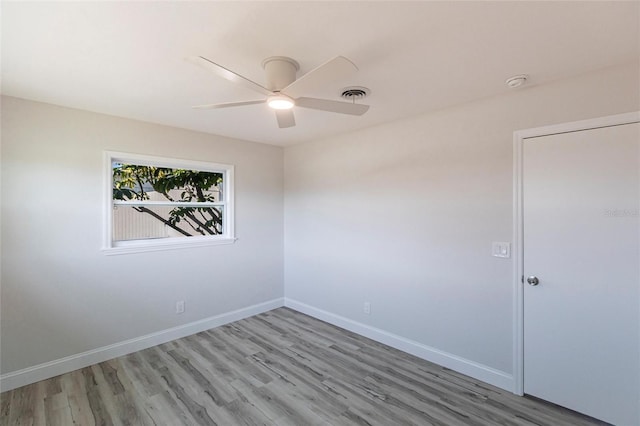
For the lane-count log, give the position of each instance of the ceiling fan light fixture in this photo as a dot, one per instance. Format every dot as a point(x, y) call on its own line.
point(280, 102)
point(283, 90)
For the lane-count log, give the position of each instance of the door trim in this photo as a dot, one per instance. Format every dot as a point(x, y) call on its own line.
point(519, 138)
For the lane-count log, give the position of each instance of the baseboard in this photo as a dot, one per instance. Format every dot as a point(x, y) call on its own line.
point(54, 368)
point(470, 368)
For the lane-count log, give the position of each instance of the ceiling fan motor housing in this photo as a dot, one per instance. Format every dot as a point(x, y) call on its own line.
point(281, 72)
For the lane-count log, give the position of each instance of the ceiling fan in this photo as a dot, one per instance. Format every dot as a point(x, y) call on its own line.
point(283, 91)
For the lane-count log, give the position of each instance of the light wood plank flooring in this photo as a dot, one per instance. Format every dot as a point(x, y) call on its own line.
point(277, 368)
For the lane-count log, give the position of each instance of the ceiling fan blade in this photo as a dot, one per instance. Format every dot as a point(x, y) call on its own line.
point(229, 104)
point(332, 106)
point(336, 68)
point(285, 118)
point(229, 75)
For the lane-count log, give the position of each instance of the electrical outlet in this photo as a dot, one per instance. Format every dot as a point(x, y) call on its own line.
point(367, 308)
point(180, 307)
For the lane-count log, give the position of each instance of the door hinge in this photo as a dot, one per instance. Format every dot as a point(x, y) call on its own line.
point(522, 279)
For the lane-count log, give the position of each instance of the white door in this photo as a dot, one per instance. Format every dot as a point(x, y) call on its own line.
point(581, 219)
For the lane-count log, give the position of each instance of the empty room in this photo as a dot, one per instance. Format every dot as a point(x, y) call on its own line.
point(320, 213)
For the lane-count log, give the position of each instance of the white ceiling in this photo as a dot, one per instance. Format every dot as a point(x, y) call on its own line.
point(127, 58)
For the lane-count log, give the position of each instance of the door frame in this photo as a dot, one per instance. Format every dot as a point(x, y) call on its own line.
point(519, 137)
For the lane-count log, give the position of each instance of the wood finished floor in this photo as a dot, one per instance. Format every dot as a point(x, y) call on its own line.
point(277, 368)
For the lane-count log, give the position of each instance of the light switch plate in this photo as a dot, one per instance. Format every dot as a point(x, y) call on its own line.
point(501, 249)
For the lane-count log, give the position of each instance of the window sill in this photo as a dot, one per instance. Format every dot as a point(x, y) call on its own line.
point(146, 246)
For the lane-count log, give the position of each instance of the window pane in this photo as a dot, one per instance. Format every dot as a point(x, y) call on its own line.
point(136, 182)
point(153, 222)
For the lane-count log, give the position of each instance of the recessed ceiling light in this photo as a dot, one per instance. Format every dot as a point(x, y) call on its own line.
point(280, 102)
point(517, 81)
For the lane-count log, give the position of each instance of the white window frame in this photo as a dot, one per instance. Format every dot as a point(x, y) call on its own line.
point(111, 247)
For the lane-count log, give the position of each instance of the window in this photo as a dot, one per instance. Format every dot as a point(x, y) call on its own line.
point(158, 203)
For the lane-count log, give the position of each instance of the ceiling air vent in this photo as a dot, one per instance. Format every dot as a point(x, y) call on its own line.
point(355, 93)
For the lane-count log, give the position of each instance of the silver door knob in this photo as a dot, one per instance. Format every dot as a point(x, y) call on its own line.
point(532, 280)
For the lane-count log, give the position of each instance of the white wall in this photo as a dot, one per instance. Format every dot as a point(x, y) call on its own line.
point(60, 294)
point(403, 215)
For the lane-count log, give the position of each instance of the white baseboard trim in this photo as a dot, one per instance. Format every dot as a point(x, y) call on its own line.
point(70, 363)
point(470, 368)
